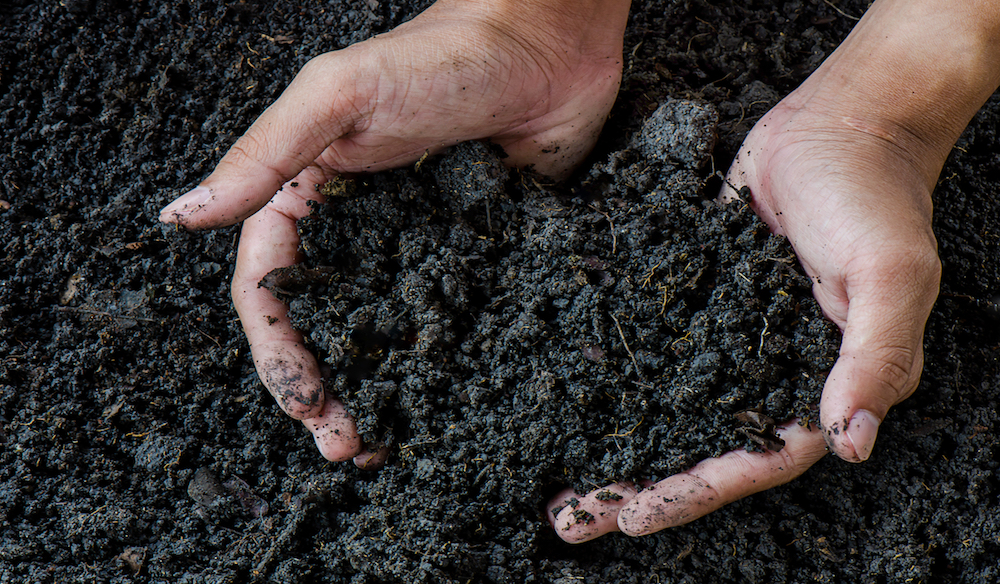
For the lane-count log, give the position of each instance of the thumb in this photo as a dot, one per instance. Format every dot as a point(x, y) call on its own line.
point(313, 112)
point(881, 356)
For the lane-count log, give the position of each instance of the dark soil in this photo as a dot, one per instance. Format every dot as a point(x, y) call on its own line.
point(507, 336)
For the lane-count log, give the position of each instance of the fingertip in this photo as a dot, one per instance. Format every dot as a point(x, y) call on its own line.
point(579, 525)
point(372, 458)
point(862, 432)
point(631, 522)
point(715, 482)
point(669, 503)
point(182, 207)
point(558, 503)
point(628, 521)
point(334, 432)
point(853, 404)
point(853, 440)
point(578, 519)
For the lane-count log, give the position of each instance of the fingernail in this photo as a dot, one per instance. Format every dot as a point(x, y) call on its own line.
point(862, 432)
point(373, 457)
point(185, 204)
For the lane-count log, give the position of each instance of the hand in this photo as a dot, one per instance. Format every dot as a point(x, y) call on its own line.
point(844, 167)
point(538, 78)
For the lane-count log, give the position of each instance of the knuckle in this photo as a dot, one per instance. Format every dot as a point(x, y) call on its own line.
point(289, 384)
point(926, 266)
point(245, 281)
point(318, 64)
point(238, 287)
point(291, 206)
point(250, 150)
point(913, 274)
point(895, 376)
point(235, 288)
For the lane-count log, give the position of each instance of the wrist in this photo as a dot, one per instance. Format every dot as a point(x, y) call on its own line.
point(914, 72)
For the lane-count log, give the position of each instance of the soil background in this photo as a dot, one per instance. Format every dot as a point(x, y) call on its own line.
point(509, 337)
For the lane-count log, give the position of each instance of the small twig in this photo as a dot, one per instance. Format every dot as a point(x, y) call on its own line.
point(614, 237)
point(631, 60)
point(147, 433)
point(496, 302)
point(743, 113)
point(691, 40)
point(415, 444)
point(686, 338)
point(723, 78)
point(629, 433)
point(624, 342)
point(103, 313)
point(839, 11)
point(489, 221)
point(762, 333)
point(206, 335)
point(649, 276)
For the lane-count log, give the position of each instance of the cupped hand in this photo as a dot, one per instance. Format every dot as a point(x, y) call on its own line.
point(844, 167)
point(537, 78)
point(858, 213)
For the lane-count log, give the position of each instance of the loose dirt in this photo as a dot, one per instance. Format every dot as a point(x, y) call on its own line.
point(507, 336)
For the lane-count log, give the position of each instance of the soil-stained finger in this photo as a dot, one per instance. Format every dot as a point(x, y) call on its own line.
point(334, 432)
point(716, 482)
point(287, 137)
point(881, 355)
point(577, 518)
point(373, 457)
point(270, 240)
point(290, 373)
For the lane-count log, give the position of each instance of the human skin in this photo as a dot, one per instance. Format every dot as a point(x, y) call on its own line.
point(536, 77)
point(844, 167)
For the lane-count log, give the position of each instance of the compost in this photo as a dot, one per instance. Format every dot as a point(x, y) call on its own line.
point(505, 335)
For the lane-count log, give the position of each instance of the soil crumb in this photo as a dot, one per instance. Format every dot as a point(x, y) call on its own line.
point(508, 336)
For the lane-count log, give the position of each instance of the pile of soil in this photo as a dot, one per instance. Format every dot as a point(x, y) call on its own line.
point(507, 336)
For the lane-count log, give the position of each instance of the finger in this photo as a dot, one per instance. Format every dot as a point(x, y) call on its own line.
point(372, 457)
point(334, 432)
point(716, 482)
point(577, 518)
point(881, 354)
point(286, 368)
point(316, 109)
